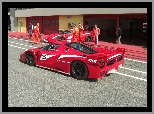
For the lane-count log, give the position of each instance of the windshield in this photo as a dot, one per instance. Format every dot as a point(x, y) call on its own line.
point(64, 32)
point(81, 47)
point(49, 46)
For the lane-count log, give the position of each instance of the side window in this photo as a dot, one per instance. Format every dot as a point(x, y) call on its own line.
point(54, 46)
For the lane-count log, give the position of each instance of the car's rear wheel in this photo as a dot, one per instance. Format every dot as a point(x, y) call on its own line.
point(30, 59)
point(79, 70)
point(88, 39)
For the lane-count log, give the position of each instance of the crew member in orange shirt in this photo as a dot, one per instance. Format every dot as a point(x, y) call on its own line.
point(81, 31)
point(36, 34)
point(96, 32)
point(75, 33)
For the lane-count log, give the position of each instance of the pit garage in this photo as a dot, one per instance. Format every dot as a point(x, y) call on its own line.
point(131, 25)
point(106, 23)
point(47, 24)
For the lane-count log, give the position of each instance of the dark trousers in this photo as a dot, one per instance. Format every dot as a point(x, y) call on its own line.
point(30, 32)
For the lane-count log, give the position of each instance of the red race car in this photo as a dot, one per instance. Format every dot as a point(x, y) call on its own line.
point(77, 59)
point(67, 35)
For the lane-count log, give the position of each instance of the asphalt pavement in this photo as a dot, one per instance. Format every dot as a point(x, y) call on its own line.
point(30, 86)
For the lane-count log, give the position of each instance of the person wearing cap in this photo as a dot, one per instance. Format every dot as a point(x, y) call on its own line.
point(81, 31)
point(96, 32)
point(75, 33)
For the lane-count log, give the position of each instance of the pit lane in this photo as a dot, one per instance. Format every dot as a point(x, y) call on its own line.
point(34, 86)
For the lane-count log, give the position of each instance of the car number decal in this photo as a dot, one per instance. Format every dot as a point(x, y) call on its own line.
point(45, 56)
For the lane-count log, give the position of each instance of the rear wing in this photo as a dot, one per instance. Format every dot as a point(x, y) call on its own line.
point(120, 50)
point(114, 54)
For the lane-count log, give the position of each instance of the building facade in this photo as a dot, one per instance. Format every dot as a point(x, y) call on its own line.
point(53, 19)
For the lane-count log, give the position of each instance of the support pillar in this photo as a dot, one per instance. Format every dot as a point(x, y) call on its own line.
point(83, 21)
point(14, 24)
point(117, 23)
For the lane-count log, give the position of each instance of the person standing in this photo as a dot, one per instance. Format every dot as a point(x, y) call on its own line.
point(75, 33)
point(36, 34)
point(96, 32)
point(118, 35)
point(81, 31)
point(30, 29)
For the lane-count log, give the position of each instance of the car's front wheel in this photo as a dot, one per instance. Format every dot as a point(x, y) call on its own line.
point(79, 70)
point(30, 59)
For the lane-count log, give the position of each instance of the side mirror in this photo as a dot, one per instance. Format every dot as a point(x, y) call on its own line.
point(67, 49)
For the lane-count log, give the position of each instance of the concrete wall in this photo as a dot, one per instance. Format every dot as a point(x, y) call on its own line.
point(14, 25)
point(22, 25)
point(76, 11)
point(63, 21)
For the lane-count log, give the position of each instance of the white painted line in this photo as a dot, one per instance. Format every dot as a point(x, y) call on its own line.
point(17, 43)
point(21, 39)
point(21, 44)
point(25, 45)
point(43, 43)
point(15, 38)
point(8, 41)
point(12, 42)
point(130, 76)
point(8, 44)
point(133, 70)
point(35, 47)
point(26, 40)
point(23, 48)
point(15, 46)
point(19, 47)
point(11, 45)
point(135, 60)
point(30, 46)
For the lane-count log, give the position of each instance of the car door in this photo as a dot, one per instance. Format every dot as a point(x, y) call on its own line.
point(47, 58)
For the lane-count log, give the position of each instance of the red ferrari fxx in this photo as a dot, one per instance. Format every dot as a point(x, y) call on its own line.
point(77, 59)
point(68, 36)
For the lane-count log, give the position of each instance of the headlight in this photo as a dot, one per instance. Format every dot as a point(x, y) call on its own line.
point(45, 40)
point(24, 51)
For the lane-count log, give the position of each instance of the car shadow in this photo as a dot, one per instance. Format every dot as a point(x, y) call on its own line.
point(89, 79)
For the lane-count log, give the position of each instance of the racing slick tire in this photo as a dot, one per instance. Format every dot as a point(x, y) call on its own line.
point(88, 39)
point(79, 70)
point(30, 60)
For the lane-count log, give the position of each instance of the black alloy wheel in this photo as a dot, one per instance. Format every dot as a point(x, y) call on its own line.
point(79, 70)
point(30, 59)
point(88, 38)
